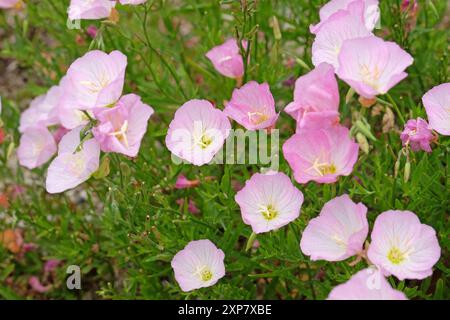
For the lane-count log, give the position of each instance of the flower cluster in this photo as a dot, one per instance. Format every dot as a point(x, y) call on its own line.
point(83, 115)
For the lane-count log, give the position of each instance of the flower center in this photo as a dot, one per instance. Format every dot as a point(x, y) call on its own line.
point(370, 76)
point(206, 275)
point(268, 212)
point(257, 117)
point(323, 168)
point(204, 141)
point(395, 256)
point(121, 134)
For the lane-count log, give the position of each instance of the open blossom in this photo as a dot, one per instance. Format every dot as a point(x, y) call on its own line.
point(437, 106)
point(372, 66)
point(316, 98)
point(122, 127)
point(90, 9)
point(252, 106)
point(74, 164)
point(338, 232)
point(344, 25)
point(37, 146)
point(10, 4)
point(367, 284)
point(402, 246)
point(184, 183)
point(269, 201)
point(321, 155)
point(197, 132)
point(371, 12)
point(198, 265)
point(227, 59)
point(417, 135)
point(92, 81)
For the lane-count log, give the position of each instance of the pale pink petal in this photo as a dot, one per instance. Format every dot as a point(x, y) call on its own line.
point(90, 9)
point(437, 106)
point(37, 146)
point(227, 59)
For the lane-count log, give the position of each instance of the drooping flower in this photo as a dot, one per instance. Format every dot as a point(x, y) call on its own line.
point(93, 81)
point(11, 4)
point(198, 265)
point(402, 246)
point(252, 106)
point(269, 201)
point(184, 183)
point(36, 147)
point(92, 31)
point(367, 284)
point(372, 66)
point(437, 106)
point(192, 208)
point(344, 25)
point(371, 12)
point(122, 127)
point(338, 232)
point(37, 286)
point(197, 132)
point(74, 164)
point(316, 98)
point(51, 265)
point(227, 59)
point(90, 9)
point(321, 155)
point(417, 135)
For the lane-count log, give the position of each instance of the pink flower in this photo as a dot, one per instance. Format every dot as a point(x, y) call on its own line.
point(122, 127)
point(94, 80)
point(59, 133)
point(316, 98)
point(9, 4)
point(252, 106)
point(338, 232)
point(269, 201)
point(92, 31)
point(74, 163)
point(184, 183)
point(90, 9)
point(197, 132)
point(198, 265)
point(402, 246)
point(321, 155)
point(37, 286)
point(344, 25)
point(371, 12)
point(227, 59)
point(437, 106)
point(417, 134)
point(367, 284)
point(37, 146)
point(192, 208)
point(51, 265)
point(372, 66)
point(132, 2)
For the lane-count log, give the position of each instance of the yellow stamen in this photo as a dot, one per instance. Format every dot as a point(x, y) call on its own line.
point(121, 134)
point(268, 212)
point(396, 256)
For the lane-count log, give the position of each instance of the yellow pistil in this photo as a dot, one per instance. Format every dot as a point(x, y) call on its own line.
point(206, 275)
point(121, 134)
point(323, 168)
point(370, 77)
point(395, 256)
point(204, 141)
point(257, 117)
point(268, 212)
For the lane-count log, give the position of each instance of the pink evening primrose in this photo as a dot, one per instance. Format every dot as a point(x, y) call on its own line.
point(122, 127)
point(367, 284)
point(321, 155)
point(371, 12)
point(74, 163)
point(92, 81)
point(316, 98)
point(437, 106)
point(252, 106)
point(227, 59)
point(338, 232)
point(90, 9)
point(10, 4)
point(184, 183)
point(344, 25)
point(269, 201)
point(198, 265)
point(197, 132)
point(37, 146)
point(402, 246)
point(417, 135)
point(372, 66)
